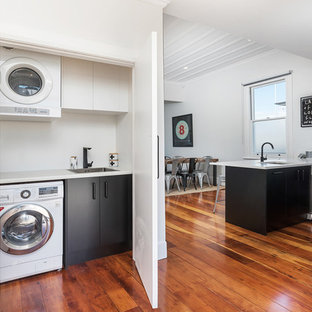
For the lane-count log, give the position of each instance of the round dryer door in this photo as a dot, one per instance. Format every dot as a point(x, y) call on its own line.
point(25, 81)
point(25, 228)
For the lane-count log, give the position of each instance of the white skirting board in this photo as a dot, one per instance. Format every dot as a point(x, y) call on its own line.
point(162, 250)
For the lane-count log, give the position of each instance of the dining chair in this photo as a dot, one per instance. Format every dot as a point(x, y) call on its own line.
point(166, 165)
point(203, 171)
point(188, 173)
point(173, 175)
point(220, 181)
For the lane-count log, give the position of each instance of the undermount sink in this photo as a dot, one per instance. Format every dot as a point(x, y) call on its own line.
point(272, 163)
point(276, 162)
point(91, 170)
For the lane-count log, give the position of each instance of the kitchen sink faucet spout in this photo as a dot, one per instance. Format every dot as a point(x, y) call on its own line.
point(262, 158)
point(86, 164)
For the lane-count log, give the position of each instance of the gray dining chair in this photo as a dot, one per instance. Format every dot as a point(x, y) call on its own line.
point(166, 165)
point(173, 175)
point(202, 171)
point(221, 181)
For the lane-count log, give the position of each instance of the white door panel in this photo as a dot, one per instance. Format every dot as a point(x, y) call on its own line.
point(145, 245)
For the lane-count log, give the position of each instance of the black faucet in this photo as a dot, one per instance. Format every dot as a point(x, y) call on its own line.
point(262, 158)
point(86, 164)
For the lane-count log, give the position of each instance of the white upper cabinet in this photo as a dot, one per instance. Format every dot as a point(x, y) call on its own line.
point(106, 85)
point(95, 86)
point(77, 84)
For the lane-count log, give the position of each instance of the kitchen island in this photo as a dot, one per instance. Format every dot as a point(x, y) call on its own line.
point(267, 196)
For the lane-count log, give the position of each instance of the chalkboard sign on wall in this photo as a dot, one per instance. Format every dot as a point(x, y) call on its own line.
point(306, 111)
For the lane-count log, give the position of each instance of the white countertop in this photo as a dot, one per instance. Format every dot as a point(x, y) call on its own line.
point(268, 164)
point(48, 175)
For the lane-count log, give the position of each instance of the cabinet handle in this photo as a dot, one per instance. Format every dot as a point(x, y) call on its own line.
point(106, 189)
point(278, 172)
point(93, 190)
point(298, 175)
point(302, 174)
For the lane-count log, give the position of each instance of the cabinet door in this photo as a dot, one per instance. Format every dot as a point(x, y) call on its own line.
point(124, 92)
point(77, 84)
point(276, 205)
point(115, 214)
point(298, 193)
point(106, 85)
point(81, 220)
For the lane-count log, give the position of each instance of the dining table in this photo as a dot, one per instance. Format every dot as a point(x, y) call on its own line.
point(199, 159)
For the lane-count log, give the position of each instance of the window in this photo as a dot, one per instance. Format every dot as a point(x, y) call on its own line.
point(266, 117)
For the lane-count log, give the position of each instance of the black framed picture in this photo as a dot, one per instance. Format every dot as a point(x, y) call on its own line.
point(306, 111)
point(182, 131)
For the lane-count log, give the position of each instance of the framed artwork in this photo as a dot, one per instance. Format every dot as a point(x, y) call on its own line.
point(182, 131)
point(306, 111)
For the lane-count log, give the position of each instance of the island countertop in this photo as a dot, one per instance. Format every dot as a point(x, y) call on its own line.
point(50, 175)
point(268, 164)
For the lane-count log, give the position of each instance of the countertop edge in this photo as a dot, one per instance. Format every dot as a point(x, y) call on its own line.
point(63, 176)
point(253, 164)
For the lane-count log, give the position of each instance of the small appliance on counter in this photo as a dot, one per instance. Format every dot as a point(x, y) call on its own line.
point(113, 159)
point(306, 155)
point(73, 161)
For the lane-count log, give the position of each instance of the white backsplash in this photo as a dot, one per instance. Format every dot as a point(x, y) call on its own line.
point(49, 145)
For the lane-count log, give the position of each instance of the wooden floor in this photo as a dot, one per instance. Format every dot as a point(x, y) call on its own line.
point(211, 266)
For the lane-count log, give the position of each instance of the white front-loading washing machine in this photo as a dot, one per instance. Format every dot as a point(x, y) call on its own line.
point(31, 225)
point(29, 84)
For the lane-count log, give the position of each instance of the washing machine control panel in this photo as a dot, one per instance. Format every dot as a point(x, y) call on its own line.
point(30, 192)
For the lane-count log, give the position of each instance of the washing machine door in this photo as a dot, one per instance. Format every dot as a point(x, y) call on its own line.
point(25, 228)
point(25, 81)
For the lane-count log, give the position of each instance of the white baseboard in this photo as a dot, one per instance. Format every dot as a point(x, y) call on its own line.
point(162, 250)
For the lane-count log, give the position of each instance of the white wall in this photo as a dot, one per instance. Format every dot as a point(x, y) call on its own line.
point(215, 101)
point(49, 145)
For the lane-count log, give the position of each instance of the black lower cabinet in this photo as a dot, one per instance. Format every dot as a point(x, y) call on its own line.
point(115, 217)
point(298, 189)
point(276, 199)
point(98, 217)
point(263, 200)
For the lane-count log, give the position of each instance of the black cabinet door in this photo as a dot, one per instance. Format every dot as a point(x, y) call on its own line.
point(298, 193)
point(276, 199)
point(115, 213)
point(82, 225)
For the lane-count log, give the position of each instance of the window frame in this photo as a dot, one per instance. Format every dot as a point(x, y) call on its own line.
point(248, 118)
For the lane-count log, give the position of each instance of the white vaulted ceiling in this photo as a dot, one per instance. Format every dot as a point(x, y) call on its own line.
point(282, 24)
point(192, 50)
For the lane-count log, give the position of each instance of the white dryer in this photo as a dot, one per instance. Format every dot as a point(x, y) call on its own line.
point(29, 84)
point(31, 225)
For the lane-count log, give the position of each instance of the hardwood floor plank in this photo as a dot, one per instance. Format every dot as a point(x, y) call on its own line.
point(74, 294)
point(128, 282)
point(93, 289)
point(31, 295)
point(52, 292)
point(119, 296)
point(10, 297)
